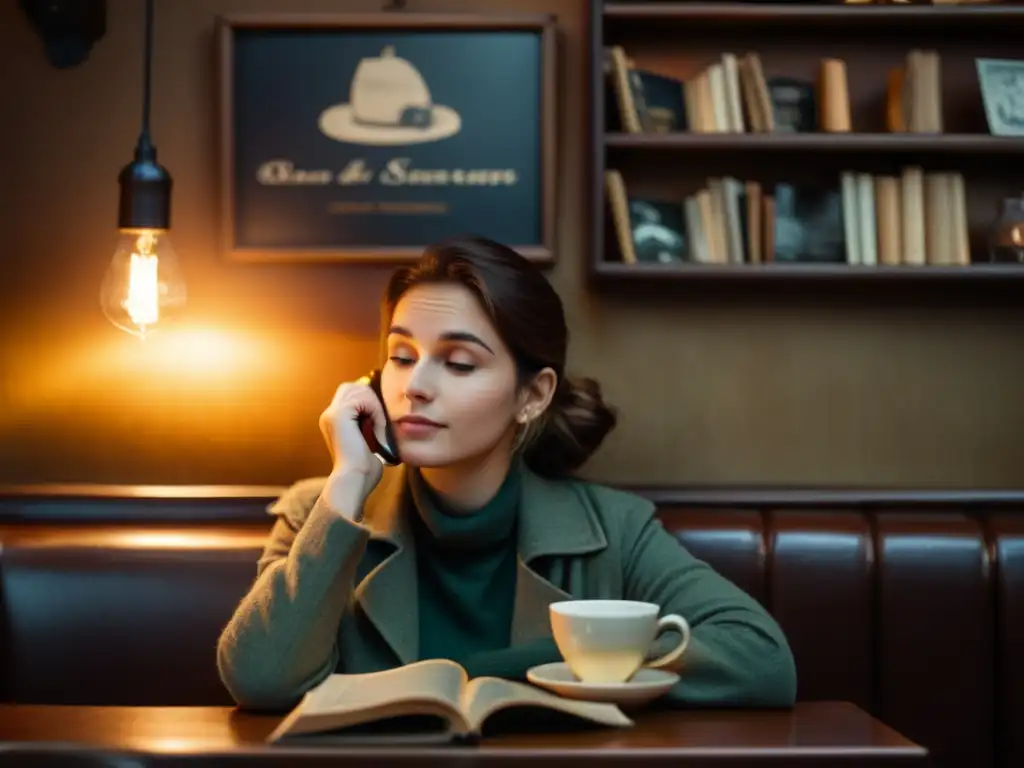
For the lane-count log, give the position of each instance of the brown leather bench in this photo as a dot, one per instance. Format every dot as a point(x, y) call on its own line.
point(909, 604)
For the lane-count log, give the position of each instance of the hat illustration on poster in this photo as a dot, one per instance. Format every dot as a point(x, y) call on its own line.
point(389, 104)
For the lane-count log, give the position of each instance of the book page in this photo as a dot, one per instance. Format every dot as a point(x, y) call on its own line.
point(432, 687)
point(484, 696)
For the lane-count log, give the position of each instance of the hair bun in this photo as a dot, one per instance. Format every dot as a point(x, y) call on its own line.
point(576, 425)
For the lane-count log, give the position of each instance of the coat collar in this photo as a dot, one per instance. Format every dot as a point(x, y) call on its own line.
point(555, 519)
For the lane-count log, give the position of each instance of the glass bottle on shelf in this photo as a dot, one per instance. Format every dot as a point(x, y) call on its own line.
point(1006, 234)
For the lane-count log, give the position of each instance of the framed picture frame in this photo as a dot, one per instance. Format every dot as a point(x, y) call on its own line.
point(1002, 93)
point(362, 138)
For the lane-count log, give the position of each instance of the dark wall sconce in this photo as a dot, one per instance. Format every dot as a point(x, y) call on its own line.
point(68, 28)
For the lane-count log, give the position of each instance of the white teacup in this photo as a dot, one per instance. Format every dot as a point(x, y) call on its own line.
point(606, 641)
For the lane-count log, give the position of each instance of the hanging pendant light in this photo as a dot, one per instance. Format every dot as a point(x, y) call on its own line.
point(143, 287)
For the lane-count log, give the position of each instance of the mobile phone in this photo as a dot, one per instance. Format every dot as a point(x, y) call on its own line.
point(387, 454)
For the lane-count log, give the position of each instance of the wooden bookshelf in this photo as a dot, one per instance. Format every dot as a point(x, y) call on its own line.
point(945, 144)
point(763, 14)
point(678, 39)
point(979, 273)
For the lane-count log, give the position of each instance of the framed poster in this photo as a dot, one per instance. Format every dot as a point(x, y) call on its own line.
point(365, 137)
point(1002, 93)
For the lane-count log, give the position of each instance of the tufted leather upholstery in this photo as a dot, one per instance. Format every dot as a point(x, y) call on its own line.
point(910, 606)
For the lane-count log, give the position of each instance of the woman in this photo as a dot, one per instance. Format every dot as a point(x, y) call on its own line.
point(458, 553)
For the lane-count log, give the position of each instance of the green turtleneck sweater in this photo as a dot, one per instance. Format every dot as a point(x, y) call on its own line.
point(466, 564)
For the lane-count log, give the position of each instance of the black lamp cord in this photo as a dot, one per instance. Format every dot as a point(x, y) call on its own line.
point(145, 150)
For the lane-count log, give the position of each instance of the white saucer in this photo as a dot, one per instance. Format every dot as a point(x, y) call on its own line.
point(644, 687)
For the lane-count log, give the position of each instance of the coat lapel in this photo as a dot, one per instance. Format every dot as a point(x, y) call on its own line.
point(555, 519)
point(388, 594)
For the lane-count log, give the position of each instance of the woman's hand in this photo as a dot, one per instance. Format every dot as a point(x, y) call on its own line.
point(356, 470)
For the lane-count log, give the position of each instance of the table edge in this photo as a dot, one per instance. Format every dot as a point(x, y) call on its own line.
point(481, 750)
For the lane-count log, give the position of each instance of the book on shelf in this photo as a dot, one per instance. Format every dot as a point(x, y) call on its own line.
point(834, 96)
point(918, 218)
point(914, 94)
point(430, 701)
point(726, 96)
point(734, 95)
point(808, 224)
point(639, 101)
point(650, 231)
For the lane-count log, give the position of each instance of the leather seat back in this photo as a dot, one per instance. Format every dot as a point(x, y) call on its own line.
point(916, 616)
point(125, 615)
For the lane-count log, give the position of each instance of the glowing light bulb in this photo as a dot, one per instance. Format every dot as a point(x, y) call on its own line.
point(143, 288)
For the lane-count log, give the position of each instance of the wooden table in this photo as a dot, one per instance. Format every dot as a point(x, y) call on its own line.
point(813, 734)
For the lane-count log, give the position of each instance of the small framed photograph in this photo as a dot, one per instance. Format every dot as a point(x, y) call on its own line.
point(365, 137)
point(1002, 92)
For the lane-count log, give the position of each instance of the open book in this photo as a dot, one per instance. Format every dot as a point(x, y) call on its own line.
point(430, 700)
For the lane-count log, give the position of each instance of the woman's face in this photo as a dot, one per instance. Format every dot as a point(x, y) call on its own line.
point(449, 382)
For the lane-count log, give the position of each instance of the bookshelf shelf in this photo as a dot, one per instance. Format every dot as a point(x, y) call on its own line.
point(939, 144)
point(822, 15)
point(976, 273)
point(677, 41)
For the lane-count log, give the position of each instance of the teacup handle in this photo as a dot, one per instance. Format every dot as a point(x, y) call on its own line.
point(678, 623)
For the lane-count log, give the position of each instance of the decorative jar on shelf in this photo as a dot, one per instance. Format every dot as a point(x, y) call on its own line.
point(1006, 233)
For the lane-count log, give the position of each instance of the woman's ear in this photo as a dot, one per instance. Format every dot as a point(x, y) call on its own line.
point(537, 395)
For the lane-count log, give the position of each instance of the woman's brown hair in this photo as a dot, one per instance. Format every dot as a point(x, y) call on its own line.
point(528, 315)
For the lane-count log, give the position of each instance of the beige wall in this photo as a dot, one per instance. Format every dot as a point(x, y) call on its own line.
point(712, 391)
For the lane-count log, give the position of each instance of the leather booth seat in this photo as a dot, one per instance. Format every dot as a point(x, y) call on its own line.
point(910, 605)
